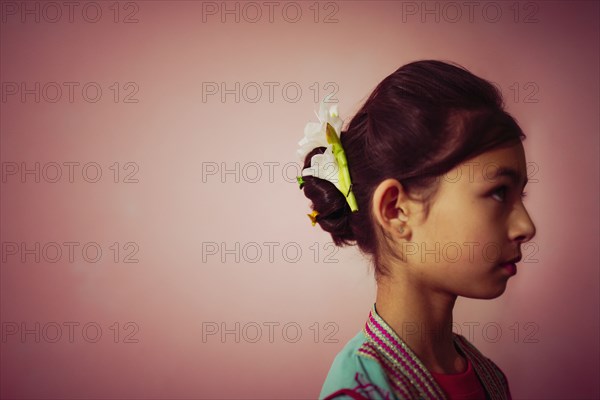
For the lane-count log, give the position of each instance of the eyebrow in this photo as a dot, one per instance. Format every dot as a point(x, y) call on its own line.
point(511, 173)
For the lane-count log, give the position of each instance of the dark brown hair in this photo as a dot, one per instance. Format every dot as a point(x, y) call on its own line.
point(419, 123)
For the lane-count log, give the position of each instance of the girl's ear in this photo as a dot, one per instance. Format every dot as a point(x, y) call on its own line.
point(390, 208)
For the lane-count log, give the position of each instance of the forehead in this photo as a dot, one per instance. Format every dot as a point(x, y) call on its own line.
point(511, 155)
point(491, 166)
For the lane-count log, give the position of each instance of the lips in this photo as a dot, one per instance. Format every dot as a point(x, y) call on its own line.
point(513, 260)
point(510, 265)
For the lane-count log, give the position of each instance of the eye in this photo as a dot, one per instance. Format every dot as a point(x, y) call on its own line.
point(502, 189)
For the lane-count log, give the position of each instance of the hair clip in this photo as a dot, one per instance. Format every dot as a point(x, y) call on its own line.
point(331, 165)
point(313, 217)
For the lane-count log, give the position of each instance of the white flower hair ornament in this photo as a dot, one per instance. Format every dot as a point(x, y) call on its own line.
point(332, 165)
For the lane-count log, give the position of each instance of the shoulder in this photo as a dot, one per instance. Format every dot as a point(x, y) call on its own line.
point(354, 374)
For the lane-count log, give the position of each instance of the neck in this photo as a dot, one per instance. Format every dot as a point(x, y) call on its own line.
point(422, 318)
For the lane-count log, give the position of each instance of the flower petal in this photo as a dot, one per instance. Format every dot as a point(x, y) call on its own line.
point(315, 136)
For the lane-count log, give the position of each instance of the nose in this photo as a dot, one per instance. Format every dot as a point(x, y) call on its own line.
point(523, 228)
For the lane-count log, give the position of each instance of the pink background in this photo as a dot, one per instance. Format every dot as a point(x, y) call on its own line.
point(543, 332)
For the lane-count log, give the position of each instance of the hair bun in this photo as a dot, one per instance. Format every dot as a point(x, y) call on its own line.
point(333, 210)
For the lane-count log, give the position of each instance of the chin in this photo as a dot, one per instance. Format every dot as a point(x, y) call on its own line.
point(487, 293)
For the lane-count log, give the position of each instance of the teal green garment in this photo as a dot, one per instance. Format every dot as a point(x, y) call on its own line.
point(352, 371)
point(377, 364)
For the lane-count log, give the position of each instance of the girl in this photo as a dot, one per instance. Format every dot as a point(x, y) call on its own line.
point(427, 180)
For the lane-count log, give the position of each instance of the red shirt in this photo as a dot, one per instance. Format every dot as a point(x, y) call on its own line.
point(461, 386)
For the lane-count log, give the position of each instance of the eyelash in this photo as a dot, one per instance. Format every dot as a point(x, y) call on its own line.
point(504, 187)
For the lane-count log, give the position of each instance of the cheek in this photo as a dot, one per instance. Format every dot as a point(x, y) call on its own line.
point(471, 243)
point(477, 224)
point(461, 232)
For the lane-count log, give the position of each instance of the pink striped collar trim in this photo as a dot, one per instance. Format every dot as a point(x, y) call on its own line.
point(397, 353)
point(406, 366)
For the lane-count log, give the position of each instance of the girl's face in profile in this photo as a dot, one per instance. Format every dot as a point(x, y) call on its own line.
point(477, 222)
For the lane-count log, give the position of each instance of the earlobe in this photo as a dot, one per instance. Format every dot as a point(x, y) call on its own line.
point(400, 224)
point(388, 209)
